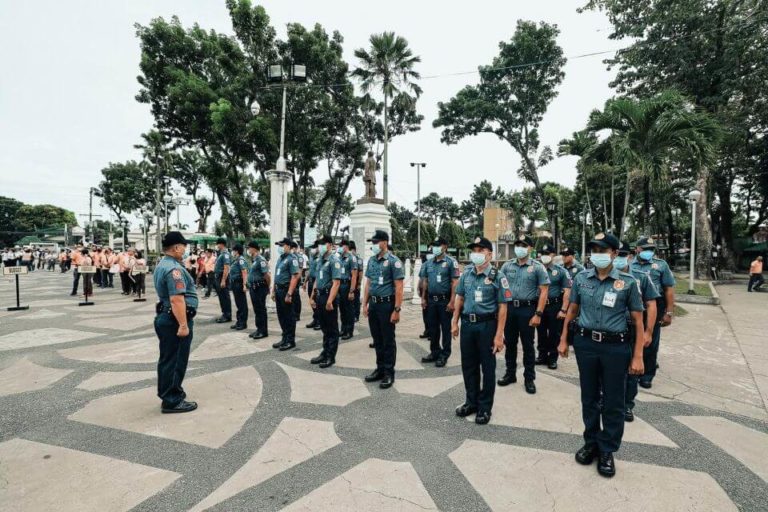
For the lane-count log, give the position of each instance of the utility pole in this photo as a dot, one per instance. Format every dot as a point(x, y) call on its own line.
point(418, 166)
point(90, 212)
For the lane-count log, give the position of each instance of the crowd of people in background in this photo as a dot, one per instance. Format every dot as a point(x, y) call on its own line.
point(31, 257)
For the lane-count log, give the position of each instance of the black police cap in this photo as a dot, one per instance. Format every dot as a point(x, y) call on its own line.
point(379, 236)
point(294, 245)
point(325, 239)
point(352, 245)
point(344, 242)
point(567, 251)
point(481, 242)
point(222, 241)
point(173, 238)
point(238, 248)
point(284, 241)
point(524, 240)
point(606, 241)
point(645, 242)
point(254, 245)
point(547, 249)
point(439, 241)
point(624, 249)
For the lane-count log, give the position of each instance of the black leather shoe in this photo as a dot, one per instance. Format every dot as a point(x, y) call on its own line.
point(540, 361)
point(240, 327)
point(286, 346)
point(431, 358)
point(552, 365)
point(278, 344)
point(317, 327)
point(646, 384)
point(440, 362)
point(629, 416)
point(253, 334)
point(371, 345)
point(260, 335)
point(483, 418)
point(233, 326)
point(182, 406)
point(327, 363)
point(605, 465)
point(375, 376)
point(507, 379)
point(317, 360)
point(530, 387)
point(347, 336)
point(223, 320)
point(586, 454)
point(310, 325)
point(387, 381)
point(465, 410)
point(424, 335)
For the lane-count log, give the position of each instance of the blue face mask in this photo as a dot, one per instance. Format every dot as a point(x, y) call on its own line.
point(477, 258)
point(322, 249)
point(521, 252)
point(340, 250)
point(376, 249)
point(280, 250)
point(437, 251)
point(620, 262)
point(600, 260)
point(646, 255)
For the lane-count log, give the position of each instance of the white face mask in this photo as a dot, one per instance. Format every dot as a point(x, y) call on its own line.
point(430, 257)
point(521, 252)
point(546, 259)
point(477, 258)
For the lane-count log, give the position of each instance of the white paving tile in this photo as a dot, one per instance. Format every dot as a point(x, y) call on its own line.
point(294, 441)
point(143, 350)
point(372, 485)
point(24, 375)
point(40, 477)
point(746, 445)
point(226, 400)
point(230, 344)
point(428, 387)
point(556, 407)
point(42, 314)
point(324, 389)
point(516, 478)
point(103, 380)
point(358, 354)
point(120, 323)
point(42, 337)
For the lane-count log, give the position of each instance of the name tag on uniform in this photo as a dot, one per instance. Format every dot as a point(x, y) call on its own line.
point(278, 272)
point(609, 299)
point(342, 270)
point(321, 274)
point(381, 280)
point(478, 295)
point(439, 278)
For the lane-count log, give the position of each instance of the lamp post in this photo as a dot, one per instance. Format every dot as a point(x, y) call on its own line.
point(418, 166)
point(693, 196)
point(552, 209)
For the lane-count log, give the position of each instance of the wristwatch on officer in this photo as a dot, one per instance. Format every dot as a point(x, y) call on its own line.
point(539, 313)
point(397, 309)
point(668, 313)
point(564, 311)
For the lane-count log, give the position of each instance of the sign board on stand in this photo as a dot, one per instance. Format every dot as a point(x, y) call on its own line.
point(16, 272)
point(88, 270)
point(140, 271)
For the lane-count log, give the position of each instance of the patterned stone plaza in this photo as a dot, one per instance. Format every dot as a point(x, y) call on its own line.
point(81, 429)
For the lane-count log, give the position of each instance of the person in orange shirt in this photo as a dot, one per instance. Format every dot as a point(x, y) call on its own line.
point(63, 260)
point(756, 275)
point(84, 261)
point(76, 258)
point(210, 267)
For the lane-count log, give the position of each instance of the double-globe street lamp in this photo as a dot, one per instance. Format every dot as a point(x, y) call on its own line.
point(693, 196)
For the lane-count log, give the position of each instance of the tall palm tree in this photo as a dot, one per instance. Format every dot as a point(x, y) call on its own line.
point(579, 145)
point(388, 64)
point(649, 134)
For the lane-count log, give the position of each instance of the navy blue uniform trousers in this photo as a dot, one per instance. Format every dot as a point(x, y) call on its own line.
point(285, 315)
point(259, 300)
point(517, 327)
point(439, 326)
point(383, 334)
point(476, 344)
point(224, 299)
point(174, 356)
point(329, 323)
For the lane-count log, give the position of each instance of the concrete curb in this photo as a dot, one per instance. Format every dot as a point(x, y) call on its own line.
point(714, 300)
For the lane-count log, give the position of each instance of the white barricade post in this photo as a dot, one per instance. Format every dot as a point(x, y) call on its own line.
point(140, 271)
point(16, 272)
point(416, 271)
point(87, 271)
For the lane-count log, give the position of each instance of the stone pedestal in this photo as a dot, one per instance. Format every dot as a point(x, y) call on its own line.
point(368, 216)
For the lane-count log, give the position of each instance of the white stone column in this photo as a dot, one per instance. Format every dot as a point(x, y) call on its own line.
point(278, 212)
point(416, 271)
point(407, 282)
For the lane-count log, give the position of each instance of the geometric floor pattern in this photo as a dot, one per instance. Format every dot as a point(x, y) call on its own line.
point(81, 429)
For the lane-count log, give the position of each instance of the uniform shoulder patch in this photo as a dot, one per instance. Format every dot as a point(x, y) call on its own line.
point(655, 266)
point(263, 263)
point(176, 273)
point(504, 282)
point(618, 284)
point(530, 270)
point(386, 263)
point(337, 265)
point(574, 270)
point(554, 272)
point(180, 285)
point(398, 264)
point(508, 294)
point(455, 264)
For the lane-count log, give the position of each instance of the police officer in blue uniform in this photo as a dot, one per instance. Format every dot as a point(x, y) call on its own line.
point(529, 283)
point(382, 301)
point(297, 295)
point(481, 301)
point(174, 323)
point(662, 278)
point(258, 285)
point(558, 298)
point(347, 290)
point(238, 277)
point(569, 262)
point(357, 286)
point(601, 297)
point(286, 281)
point(439, 277)
point(325, 298)
point(309, 284)
point(649, 295)
point(221, 281)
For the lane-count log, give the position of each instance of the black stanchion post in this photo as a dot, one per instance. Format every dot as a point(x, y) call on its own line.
point(16, 272)
point(87, 272)
point(142, 274)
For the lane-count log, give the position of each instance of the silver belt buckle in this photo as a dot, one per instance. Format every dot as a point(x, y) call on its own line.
point(472, 318)
point(516, 303)
point(597, 336)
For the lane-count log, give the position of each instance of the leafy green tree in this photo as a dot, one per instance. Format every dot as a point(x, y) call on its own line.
point(31, 218)
point(190, 170)
point(472, 209)
point(126, 187)
point(8, 210)
point(428, 234)
point(453, 234)
point(389, 65)
point(512, 97)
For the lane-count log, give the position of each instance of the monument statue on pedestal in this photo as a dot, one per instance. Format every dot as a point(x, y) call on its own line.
point(369, 177)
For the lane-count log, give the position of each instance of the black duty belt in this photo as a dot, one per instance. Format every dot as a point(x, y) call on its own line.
point(382, 298)
point(162, 308)
point(257, 284)
point(602, 336)
point(555, 300)
point(438, 298)
point(324, 290)
point(521, 303)
point(477, 318)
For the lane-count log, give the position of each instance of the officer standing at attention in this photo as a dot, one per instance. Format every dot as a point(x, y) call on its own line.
point(176, 309)
point(482, 295)
point(347, 290)
point(601, 297)
point(569, 262)
point(238, 277)
point(529, 283)
point(649, 295)
point(558, 298)
point(325, 298)
point(359, 284)
point(309, 284)
point(420, 289)
point(382, 300)
point(297, 296)
point(662, 278)
point(258, 284)
point(439, 277)
point(286, 281)
point(220, 281)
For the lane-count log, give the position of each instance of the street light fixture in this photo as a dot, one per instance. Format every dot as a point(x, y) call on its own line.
point(693, 196)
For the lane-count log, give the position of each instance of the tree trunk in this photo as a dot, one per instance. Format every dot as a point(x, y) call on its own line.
point(703, 227)
point(727, 254)
point(607, 226)
point(613, 198)
point(645, 217)
point(385, 177)
point(626, 204)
